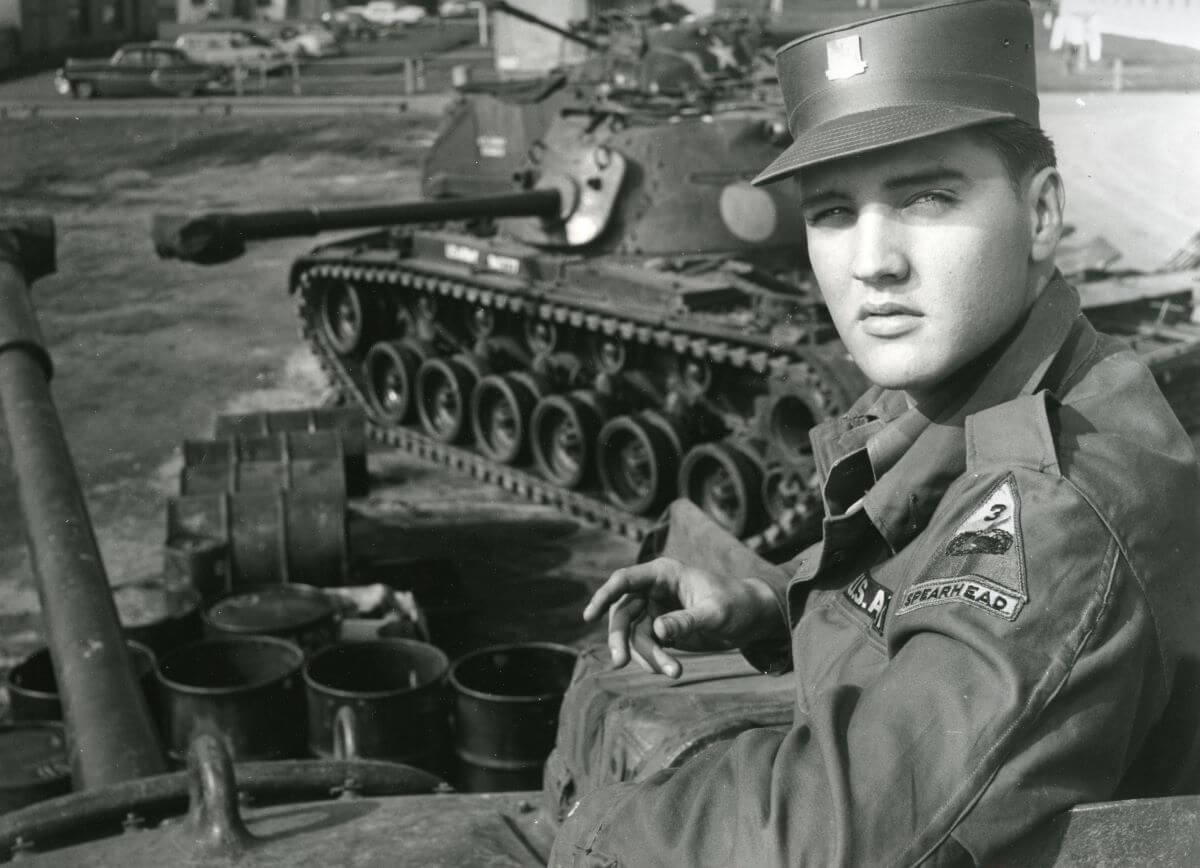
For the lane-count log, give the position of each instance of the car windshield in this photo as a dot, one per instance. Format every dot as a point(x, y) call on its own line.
point(252, 39)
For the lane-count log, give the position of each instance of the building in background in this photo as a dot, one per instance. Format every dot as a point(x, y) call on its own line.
point(198, 11)
point(523, 49)
point(45, 31)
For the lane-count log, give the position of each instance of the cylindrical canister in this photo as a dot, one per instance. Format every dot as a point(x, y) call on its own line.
point(197, 562)
point(348, 422)
point(33, 764)
point(245, 689)
point(396, 691)
point(33, 690)
point(299, 460)
point(507, 699)
point(158, 616)
point(273, 536)
point(300, 613)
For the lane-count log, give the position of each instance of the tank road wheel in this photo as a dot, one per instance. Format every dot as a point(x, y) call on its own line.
point(343, 317)
point(390, 370)
point(790, 495)
point(501, 407)
point(443, 392)
point(563, 434)
point(726, 483)
point(541, 337)
point(788, 425)
point(638, 460)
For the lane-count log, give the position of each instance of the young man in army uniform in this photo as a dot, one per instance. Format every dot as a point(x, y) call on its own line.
point(1000, 621)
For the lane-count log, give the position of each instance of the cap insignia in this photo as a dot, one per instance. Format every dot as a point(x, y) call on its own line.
point(844, 58)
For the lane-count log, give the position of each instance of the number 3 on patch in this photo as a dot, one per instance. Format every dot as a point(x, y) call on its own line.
point(989, 529)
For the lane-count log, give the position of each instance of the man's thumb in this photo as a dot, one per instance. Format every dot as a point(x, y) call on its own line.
point(673, 627)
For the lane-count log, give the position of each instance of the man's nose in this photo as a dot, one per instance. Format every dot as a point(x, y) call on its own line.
point(879, 257)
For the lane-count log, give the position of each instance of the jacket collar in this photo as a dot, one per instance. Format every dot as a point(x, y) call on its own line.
point(915, 453)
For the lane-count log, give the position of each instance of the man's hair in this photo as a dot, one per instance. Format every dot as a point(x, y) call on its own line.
point(1023, 149)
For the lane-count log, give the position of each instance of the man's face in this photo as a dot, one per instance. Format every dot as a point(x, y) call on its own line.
point(922, 253)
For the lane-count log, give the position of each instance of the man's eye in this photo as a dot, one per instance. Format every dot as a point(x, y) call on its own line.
point(931, 201)
point(828, 216)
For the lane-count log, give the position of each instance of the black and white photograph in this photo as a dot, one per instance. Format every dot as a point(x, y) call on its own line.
point(599, 433)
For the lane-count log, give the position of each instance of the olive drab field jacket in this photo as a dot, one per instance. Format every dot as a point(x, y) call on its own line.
point(1001, 621)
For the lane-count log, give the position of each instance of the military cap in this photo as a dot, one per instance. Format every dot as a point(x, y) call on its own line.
point(903, 76)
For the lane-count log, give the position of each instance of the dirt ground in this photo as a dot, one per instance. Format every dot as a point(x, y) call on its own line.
point(147, 351)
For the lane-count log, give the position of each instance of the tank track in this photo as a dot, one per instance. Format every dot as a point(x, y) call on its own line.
point(786, 533)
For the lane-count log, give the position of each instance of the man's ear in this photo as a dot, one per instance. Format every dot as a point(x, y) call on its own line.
point(1045, 199)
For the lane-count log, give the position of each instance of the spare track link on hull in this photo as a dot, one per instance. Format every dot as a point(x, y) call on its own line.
point(792, 529)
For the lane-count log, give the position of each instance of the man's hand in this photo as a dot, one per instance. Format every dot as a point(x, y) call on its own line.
point(665, 604)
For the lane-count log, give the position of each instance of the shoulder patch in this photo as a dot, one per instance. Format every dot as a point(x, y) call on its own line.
point(983, 562)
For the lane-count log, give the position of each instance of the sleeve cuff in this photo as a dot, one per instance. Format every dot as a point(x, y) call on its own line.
point(769, 658)
point(773, 656)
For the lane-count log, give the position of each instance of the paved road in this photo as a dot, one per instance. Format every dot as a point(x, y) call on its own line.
point(1129, 163)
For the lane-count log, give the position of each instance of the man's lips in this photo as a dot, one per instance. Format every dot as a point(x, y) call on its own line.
point(888, 319)
point(886, 308)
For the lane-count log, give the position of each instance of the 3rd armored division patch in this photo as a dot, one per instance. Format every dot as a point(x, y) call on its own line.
point(983, 562)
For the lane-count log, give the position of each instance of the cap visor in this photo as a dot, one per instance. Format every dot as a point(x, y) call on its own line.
point(871, 130)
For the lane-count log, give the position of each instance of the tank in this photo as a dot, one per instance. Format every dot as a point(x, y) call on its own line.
point(652, 331)
point(487, 130)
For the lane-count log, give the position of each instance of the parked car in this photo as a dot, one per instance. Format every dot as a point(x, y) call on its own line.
point(387, 14)
point(137, 69)
point(456, 8)
point(232, 48)
point(349, 23)
point(407, 13)
point(301, 38)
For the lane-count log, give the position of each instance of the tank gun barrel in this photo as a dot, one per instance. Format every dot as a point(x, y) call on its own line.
point(112, 735)
point(509, 9)
point(221, 236)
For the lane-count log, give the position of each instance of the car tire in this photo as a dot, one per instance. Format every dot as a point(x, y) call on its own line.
point(84, 90)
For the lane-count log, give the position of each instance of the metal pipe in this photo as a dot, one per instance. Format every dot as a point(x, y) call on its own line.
point(110, 731)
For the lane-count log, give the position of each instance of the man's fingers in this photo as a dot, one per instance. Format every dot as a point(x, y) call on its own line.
point(623, 581)
point(620, 618)
point(648, 653)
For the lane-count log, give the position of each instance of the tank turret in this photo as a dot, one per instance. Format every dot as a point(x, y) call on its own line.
point(487, 131)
